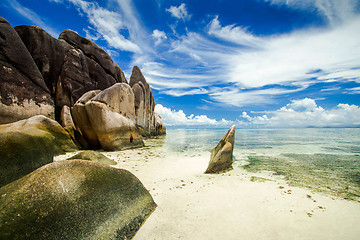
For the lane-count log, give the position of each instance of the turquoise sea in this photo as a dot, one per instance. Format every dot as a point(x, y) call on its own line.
point(322, 159)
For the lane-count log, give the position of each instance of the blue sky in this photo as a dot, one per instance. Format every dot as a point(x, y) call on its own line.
point(253, 63)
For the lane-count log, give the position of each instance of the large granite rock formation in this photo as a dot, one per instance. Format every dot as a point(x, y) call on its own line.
point(71, 65)
point(107, 118)
point(22, 152)
point(74, 200)
point(147, 120)
point(63, 141)
point(221, 155)
point(97, 57)
point(23, 92)
point(42, 75)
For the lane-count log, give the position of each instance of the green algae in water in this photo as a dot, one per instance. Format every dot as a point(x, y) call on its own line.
point(337, 175)
point(259, 179)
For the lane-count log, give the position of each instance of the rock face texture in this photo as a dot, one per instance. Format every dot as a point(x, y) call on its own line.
point(74, 200)
point(62, 140)
point(69, 79)
point(23, 92)
point(221, 155)
point(107, 118)
point(71, 65)
point(147, 120)
point(20, 153)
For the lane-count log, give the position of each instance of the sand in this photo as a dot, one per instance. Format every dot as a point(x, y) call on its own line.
point(193, 205)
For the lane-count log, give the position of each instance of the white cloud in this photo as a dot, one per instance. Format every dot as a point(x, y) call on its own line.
point(231, 33)
point(179, 12)
point(290, 58)
point(296, 60)
point(306, 113)
point(178, 118)
point(159, 36)
point(179, 93)
point(108, 24)
point(334, 10)
point(239, 98)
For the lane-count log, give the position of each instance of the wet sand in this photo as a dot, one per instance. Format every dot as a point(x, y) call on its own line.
point(234, 205)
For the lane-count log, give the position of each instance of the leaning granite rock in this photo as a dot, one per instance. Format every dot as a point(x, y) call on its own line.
point(146, 119)
point(221, 155)
point(95, 156)
point(22, 152)
point(74, 200)
point(107, 118)
point(23, 92)
point(82, 121)
point(63, 141)
point(66, 119)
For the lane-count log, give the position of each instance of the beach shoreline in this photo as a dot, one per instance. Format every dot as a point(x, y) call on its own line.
point(232, 205)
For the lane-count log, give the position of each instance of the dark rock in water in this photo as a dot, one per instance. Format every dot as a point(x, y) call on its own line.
point(93, 156)
point(74, 200)
point(22, 152)
point(107, 119)
point(221, 155)
point(148, 121)
point(63, 141)
point(23, 92)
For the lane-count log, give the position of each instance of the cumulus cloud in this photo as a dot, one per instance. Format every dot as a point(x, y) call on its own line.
point(306, 113)
point(159, 36)
point(179, 118)
point(179, 12)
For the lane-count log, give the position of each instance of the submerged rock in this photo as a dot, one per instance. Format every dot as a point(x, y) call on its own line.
point(94, 156)
point(221, 155)
point(63, 141)
point(74, 200)
point(22, 152)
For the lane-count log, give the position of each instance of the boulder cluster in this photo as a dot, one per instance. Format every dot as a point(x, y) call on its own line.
point(75, 82)
point(56, 96)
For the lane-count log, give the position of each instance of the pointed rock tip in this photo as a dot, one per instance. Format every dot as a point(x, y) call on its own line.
point(137, 76)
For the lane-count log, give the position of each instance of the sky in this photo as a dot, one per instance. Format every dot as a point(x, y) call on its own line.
point(215, 63)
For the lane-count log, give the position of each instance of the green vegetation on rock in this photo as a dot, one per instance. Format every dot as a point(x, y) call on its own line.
point(63, 141)
point(93, 156)
point(74, 200)
point(22, 152)
point(337, 175)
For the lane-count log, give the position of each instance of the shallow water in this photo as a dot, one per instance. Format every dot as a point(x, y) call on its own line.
point(267, 141)
point(326, 160)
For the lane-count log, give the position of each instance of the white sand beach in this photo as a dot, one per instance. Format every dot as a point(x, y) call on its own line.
point(193, 205)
